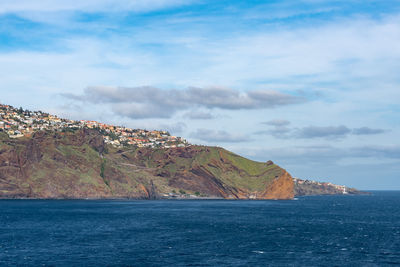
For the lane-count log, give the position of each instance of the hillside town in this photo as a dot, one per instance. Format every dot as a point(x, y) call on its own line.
point(18, 123)
point(340, 188)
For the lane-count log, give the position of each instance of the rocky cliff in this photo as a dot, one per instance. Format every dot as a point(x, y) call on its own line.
point(79, 165)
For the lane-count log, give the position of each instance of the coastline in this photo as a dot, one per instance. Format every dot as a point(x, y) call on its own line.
point(197, 198)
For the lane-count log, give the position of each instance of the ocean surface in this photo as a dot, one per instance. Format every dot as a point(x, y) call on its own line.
point(309, 231)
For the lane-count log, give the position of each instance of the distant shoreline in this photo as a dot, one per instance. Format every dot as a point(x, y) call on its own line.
point(369, 193)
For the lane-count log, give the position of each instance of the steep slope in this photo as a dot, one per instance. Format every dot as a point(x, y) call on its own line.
point(212, 171)
point(79, 165)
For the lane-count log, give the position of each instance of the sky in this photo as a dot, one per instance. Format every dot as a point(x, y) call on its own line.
point(312, 85)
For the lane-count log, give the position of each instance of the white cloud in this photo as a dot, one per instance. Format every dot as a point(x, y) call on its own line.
point(12, 6)
point(360, 54)
point(338, 51)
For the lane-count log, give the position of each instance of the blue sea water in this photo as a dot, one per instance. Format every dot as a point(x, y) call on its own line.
point(310, 231)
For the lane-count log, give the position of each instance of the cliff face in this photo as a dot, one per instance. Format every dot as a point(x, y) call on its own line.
point(52, 165)
point(281, 187)
point(79, 165)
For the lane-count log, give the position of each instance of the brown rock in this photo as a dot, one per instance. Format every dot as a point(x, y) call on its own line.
point(281, 187)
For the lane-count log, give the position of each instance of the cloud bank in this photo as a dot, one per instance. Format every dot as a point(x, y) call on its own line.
point(198, 115)
point(367, 131)
point(327, 132)
point(153, 102)
point(280, 129)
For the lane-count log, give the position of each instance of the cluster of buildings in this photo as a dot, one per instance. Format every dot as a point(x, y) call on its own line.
point(340, 188)
point(19, 123)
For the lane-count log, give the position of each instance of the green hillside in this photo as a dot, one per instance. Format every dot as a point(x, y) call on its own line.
point(78, 164)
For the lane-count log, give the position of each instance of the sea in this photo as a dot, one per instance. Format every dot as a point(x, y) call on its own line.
point(341, 230)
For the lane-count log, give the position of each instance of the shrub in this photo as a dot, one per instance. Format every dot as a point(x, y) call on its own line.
point(183, 192)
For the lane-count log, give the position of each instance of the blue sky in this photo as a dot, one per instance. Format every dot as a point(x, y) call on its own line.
point(312, 85)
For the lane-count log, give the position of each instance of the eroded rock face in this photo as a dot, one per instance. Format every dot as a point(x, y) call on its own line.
point(217, 172)
point(282, 187)
point(76, 165)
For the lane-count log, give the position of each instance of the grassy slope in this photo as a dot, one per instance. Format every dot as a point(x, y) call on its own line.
point(73, 170)
point(239, 171)
point(231, 169)
point(66, 169)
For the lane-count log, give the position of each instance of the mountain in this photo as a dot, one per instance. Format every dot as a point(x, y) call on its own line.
point(43, 156)
point(79, 164)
